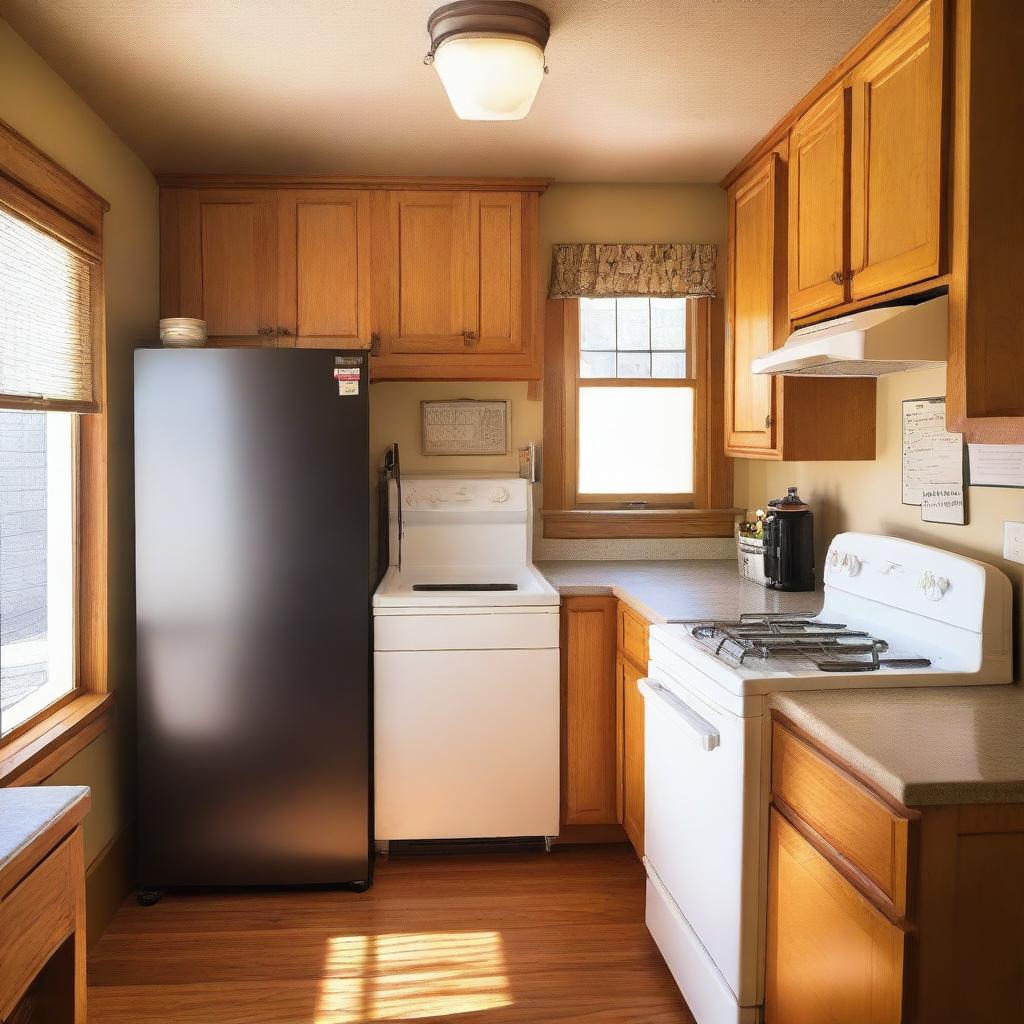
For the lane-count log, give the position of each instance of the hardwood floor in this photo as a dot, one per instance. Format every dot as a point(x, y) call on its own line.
point(478, 940)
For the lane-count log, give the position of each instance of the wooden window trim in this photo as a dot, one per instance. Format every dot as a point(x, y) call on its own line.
point(36, 188)
point(708, 512)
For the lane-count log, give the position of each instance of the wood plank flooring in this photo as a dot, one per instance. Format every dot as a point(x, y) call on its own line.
point(477, 940)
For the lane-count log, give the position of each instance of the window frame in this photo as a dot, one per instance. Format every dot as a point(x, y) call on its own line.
point(41, 192)
point(693, 344)
point(567, 514)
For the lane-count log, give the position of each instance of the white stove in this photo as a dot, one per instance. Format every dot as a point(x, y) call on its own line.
point(466, 667)
point(895, 614)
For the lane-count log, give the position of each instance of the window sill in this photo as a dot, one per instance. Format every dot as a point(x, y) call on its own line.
point(577, 524)
point(35, 756)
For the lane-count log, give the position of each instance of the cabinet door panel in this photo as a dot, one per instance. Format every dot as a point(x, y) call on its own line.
point(497, 262)
point(830, 956)
point(590, 786)
point(818, 199)
point(430, 247)
point(896, 158)
point(324, 281)
point(632, 755)
point(228, 264)
point(756, 295)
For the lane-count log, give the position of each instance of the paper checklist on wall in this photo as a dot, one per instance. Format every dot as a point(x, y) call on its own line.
point(933, 462)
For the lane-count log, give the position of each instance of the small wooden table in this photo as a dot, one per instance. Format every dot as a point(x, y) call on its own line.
point(42, 904)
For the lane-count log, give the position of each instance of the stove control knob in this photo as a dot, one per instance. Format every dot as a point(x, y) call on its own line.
point(498, 496)
point(934, 587)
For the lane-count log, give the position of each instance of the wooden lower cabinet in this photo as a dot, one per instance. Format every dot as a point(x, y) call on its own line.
point(883, 914)
point(832, 957)
point(590, 777)
point(604, 655)
point(632, 704)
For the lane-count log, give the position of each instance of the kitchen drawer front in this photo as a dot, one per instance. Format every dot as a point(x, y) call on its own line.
point(35, 918)
point(632, 636)
point(859, 827)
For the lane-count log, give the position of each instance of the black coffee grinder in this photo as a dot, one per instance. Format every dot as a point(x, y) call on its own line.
point(789, 544)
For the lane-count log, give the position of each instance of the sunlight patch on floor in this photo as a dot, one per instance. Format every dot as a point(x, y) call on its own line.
point(411, 976)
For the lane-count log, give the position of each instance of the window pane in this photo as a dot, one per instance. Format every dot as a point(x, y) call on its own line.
point(597, 324)
point(597, 364)
point(634, 364)
point(635, 440)
point(36, 563)
point(668, 323)
point(668, 364)
point(634, 324)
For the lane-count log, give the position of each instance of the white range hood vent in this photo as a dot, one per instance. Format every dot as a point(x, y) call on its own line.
point(870, 343)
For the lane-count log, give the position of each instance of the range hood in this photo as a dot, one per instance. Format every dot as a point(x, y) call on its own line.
point(869, 343)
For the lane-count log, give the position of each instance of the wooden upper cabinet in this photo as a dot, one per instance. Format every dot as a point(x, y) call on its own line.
point(324, 268)
point(437, 278)
point(895, 170)
point(226, 250)
point(818, 197)
point(428, 276)
point(496, 313)
point(756, 304)
point(831, 956)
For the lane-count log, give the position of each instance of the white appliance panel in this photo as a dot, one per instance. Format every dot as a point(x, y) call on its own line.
point(702, 772)
point(466, 744)
point(469, 630)
point(710, 999)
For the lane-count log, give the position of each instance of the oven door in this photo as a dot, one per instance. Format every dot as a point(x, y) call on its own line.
point(702, 833)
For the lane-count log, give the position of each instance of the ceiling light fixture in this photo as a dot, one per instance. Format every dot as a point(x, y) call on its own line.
point(489, 56)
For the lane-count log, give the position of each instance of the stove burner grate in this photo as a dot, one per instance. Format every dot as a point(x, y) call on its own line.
point(829, 646)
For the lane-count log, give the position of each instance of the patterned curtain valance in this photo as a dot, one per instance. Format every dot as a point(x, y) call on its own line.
point(609, 270)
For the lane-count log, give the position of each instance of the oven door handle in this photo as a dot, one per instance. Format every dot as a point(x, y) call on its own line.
point(702, 731)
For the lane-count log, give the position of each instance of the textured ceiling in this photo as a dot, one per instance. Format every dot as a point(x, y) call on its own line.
point(638, 91)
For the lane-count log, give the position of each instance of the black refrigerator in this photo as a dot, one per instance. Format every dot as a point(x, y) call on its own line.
point(252, 489)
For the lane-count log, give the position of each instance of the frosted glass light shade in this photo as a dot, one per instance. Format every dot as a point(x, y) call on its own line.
point(490, 79)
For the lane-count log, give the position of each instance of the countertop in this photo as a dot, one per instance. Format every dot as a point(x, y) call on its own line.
point(935, 745)
point(931, 746)
point(28, 811)
point(664, 591)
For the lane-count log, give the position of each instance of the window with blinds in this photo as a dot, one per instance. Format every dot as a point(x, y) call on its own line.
point(46, 320)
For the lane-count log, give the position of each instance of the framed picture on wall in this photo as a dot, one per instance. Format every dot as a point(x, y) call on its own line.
point(466, 426)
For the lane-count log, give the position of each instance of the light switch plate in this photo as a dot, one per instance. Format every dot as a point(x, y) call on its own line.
point(1013, 542)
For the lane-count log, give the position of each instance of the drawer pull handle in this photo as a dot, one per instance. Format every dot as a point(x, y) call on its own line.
point(700, 729)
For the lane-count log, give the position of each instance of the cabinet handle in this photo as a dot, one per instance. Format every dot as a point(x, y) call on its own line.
point(469, 337)
point(849, 275)
point(265, 332)
point(837, 277)
point(283, 332)
point(375, 343)
point(768, 421)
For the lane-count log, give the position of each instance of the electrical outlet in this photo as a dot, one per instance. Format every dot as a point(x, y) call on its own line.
point(1013, 542)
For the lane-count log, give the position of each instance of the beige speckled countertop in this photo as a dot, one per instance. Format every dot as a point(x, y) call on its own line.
point(27, 811)
point(935, 745)
point(664, 591)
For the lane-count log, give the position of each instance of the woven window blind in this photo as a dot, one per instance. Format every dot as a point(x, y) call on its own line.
point(46, 320)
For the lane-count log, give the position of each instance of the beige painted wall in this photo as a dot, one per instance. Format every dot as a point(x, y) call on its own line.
point(866, 495)
point(40, 105)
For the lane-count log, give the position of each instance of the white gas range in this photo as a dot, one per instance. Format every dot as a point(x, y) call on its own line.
point(466, 667)
point(895, 614)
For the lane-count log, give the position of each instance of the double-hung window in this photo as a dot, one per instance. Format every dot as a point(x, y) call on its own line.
point(52, 456)
point(635, 404)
